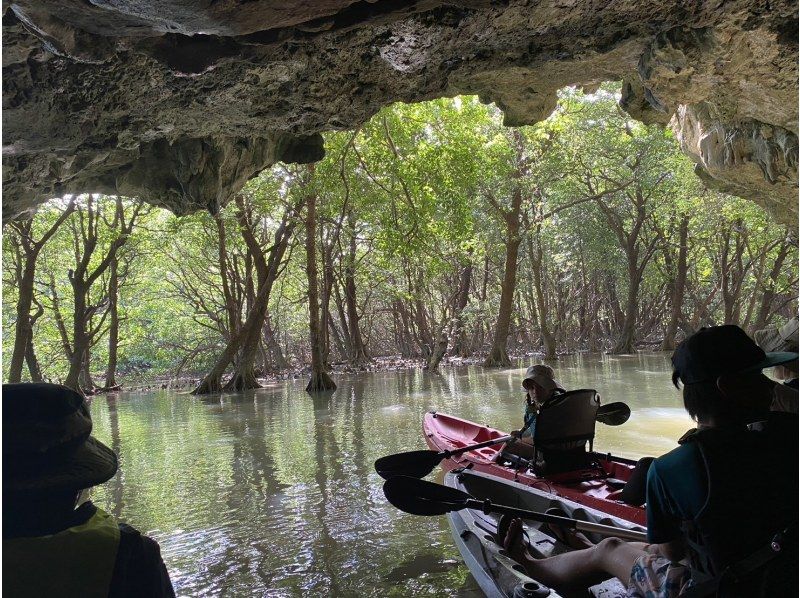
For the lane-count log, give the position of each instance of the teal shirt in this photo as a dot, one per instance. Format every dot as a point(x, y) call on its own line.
point(677, 489)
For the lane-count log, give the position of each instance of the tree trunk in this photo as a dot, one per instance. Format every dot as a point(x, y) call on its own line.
point(459, 335)
point(83, 277)
point(212, 382)
point(34, 368)
point(245, 341)
point(358, 354)
point(113, 326)
point(325, 300)
point(537, 263)
point(404, 324)
point(768, 298)
point(278, 359)
point(23, 329)
point(676, 299)
point(23, 339)
point(439, 349)
point(244, 375)
point(627, 335)
point(320, 380)
point(85, 377)
point(80, 341)
point(498, 356)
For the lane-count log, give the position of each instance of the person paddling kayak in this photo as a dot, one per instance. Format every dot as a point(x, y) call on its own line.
point(540, 385)
point(721, 508)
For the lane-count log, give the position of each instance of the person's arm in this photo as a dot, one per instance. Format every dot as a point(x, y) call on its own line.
point(663, 526)
point(139, 570)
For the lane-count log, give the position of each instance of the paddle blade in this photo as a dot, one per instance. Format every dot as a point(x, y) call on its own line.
point(419, 497)
point(613, 414)
point(415, 464)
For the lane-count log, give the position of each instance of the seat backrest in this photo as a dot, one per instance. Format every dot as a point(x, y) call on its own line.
point(564, 425)
point(566, 417)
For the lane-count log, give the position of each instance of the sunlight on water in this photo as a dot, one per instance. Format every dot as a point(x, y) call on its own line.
point(273, 493)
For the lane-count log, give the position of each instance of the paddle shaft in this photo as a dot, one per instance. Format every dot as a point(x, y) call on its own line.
point(584, 526)
point(466, 449)
point(474, 447)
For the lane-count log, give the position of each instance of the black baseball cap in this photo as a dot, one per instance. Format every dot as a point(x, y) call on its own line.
point(718, 350)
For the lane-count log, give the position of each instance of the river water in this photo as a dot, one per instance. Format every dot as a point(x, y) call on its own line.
point(272, 492)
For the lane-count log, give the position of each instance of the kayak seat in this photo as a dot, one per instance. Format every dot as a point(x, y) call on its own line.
point(564, 427)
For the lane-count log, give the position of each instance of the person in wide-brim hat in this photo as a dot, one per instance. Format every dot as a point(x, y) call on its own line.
point(780, 339)
point(783, 339)
point(53, 544)
point(539, 384)
point(47, 442)
point(543, 377)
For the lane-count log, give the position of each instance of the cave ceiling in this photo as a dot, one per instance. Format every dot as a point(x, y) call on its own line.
point(181, 102)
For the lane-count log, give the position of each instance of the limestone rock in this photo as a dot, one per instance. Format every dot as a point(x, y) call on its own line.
point(738, 158)
point(180, 104)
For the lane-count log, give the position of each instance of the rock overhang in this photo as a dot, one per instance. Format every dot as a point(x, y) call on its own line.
point(181, 105)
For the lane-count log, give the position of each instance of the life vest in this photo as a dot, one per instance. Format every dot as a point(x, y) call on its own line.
point(752, 494)
point(78, 561)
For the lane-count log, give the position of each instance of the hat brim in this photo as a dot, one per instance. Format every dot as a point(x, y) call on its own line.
point(772, 359)
point(89, 465)
point(547, 383)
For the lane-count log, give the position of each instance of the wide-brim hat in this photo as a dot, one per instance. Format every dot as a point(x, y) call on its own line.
point(781, 339)
point(543, 376)
point(47, 442)
point(721, 350)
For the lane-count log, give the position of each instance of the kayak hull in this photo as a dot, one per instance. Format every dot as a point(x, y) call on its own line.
point(474, 533)
point(597, 487)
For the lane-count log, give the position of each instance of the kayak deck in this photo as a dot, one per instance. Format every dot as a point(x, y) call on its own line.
point(598, 487)
point(475, 535)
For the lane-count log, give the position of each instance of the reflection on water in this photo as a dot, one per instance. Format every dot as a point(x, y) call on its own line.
point(272, 492)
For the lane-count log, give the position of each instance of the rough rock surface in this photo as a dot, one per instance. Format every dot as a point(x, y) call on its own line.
point(180, 104)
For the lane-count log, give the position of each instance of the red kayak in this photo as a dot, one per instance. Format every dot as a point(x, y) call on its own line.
point(597, 484)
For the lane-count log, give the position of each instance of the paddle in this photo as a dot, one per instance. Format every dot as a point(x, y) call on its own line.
point(419, 497)
point(613, 414)
point(418, 464)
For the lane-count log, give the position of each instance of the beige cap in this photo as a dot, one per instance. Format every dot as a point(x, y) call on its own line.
point(784, 338)
point(542, 375)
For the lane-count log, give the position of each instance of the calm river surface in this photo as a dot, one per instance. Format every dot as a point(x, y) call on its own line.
point(272, 492)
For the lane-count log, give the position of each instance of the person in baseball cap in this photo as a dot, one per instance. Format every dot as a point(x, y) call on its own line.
point(719, 350)
point(723, 364)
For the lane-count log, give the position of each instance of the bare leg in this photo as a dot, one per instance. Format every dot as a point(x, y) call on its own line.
point(572, 538)
point(565, 535)
point(579, 568)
